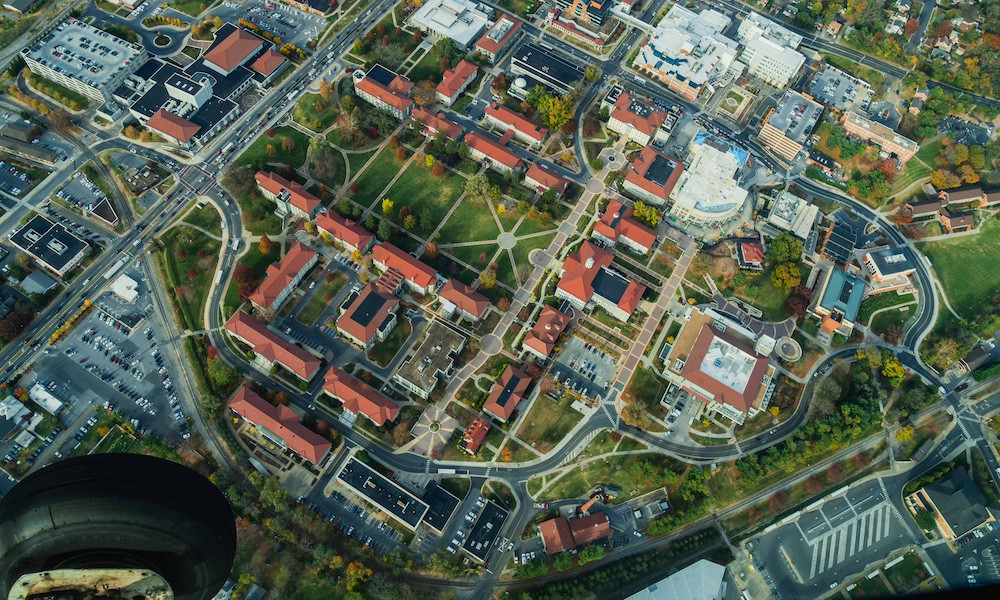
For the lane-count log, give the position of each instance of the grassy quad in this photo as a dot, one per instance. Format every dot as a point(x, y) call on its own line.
point(472, 221)
point(471, 254)
point(373, 179)
point(548, 422)
point(525, 246)
point(640, 473)
point(418, 189)
point(880, 301)
point(314, 112)
point(956, 258)
point(357, 160)
point(178, 258)
point(257, 151)
point(190, 7)
point(205, 216)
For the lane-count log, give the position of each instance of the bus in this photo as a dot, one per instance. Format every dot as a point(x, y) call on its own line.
point(236, 243)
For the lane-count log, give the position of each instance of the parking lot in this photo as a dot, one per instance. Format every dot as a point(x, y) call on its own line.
point(112, 359)
point(74, 222)
point(13, 180)
point(81, 193)
point(357, 522)
point(584, 368)
point(290, 24)
point(835, 88)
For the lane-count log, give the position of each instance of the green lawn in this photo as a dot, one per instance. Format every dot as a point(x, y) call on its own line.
point(880, 301)
point(428, 66)
point(529, 226)
point(907, 574)
point(525, 246)
point(929, 151)
point(104, 422)
point(383, 352)
point(258, 149)
point(547, 422)
point(647, 387)
point(190, 7)
point(314, 112)
point(638, 473)
point(358, 160)
point(207, 217)
point(258, 264)
point(376, 176)
point(913, 171)
point(321, 299)
point(117, 441)
point(418, 189)
point(334, 182)
point(470, 254)
point(472, 221)
point(361, 142)
point(966, 267)
point(187, 291)
point(520, 7)
point(890, 319)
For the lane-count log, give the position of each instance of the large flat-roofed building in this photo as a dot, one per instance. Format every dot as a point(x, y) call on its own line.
point(367, 316)
point(889, 270)
point(462, 21)
point(636, 119)
point(769, 50)
point(589, 21)
point(51, 245)
point(653, 176)
point(720, 366)
point(384, 89)
point(837, 300)
point(545, 67)
point(279, 425)
point(704, 580)
point(586, 279)
point(787, 126)
point(888, 140)
point(707, 193)
point(84, 59)
point(688, 52)
point(441, 506)
point(499, 37)
point(384, 493)
point(485, 532)
point(958, 505)
point(792, 214)
point(433, 360)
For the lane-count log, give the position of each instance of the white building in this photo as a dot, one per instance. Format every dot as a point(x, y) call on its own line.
point(792, 214)
point(769, 50)
point(460, 20)
point(707, 193)
point(688, 52)
point(84, 59)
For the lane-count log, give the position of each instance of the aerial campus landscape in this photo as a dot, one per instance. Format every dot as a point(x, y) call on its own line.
point(518, 299)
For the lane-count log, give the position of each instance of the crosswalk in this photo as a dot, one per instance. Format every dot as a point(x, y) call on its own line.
point(850, 538)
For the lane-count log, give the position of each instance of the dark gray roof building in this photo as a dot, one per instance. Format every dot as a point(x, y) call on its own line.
point(50, 244)
point(958, 501)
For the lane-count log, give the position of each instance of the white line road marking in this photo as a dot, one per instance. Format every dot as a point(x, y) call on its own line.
point(812, 561)
point(854, 537)
point(885, 528)
point(841, 547)
point(833, 554)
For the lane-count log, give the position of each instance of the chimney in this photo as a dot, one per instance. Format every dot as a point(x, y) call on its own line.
point(590, 262)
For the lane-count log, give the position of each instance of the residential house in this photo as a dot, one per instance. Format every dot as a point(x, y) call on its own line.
point(540, 341)
point(475, 435)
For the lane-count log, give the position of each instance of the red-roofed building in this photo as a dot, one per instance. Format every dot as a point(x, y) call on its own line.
point(385, 89)
point(543, 335)
point(353, 236)
point(289, 196)
point(269, 64)
point(561, 534)
point(587, 279)
point(556, 535)
point(496, 155)
point(506, 393)
point(474, 435)
point(367, 316)
point(455, 81)
point(437, 123)
point(271, 349)
point(722, 368)
point(505, 119)
point(176, 128)
point(751, 255)
point(359, 398)
point(282, 277)
point(617, 225)
point(543, 179)
point(467, 302)
point(279, 425)
point(636, 119)
point(499, 37)
point(233, 51)
point(653, 176)
point(419, 276)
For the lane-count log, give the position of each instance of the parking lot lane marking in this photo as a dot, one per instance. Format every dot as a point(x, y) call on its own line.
point(833, 553)
point(885, 532)
point(854, 537)
point(822, 557)
point(802, 533)
point(873, 527)
point(842, 546)
point(812, 562)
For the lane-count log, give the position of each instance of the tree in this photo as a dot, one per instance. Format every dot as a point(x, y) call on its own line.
point(426, 220)
point(357, 573)
point(425, 93)
point(400, 154)
point(892, 369)
point(323, 160)
point(14, 323)
point(784, 248)
point(925, 520)
point(265, 245)
point(786, 276)
point(409, 222)
point(477, 186)
point(797, 303)
point(386, 206)
point(429, 161)
point(591, 73)
point(645, 213)
point(904, 434)
point(487, 278)
point(535, 95)
point(220, 374)
point(325, 89)
point(562, 561)
point(437, 170)
point(943, 179)
point(384, 230)
point(192, 273)
point(556, 110)
point(591, 553)
point(287, 144)
point(507, 455)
